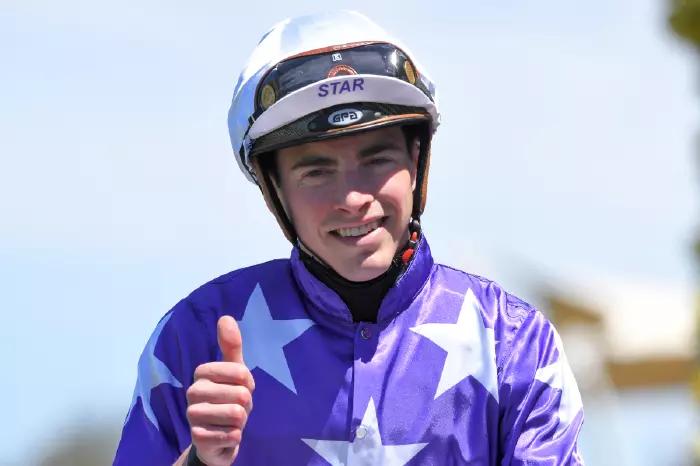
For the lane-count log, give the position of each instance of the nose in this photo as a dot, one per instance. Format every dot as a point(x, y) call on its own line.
point(353, 194)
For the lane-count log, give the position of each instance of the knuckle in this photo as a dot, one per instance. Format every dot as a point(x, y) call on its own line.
point(243, 396)
point(241, 372)
point(192, 393)
point(235, 436)
point(249, 381)
point(202, 371)
point(198, 391)
point(235, 413)
point(242, 376)
point(194, 413)
point(234, 371)
point(199, 434)
point(241, 415)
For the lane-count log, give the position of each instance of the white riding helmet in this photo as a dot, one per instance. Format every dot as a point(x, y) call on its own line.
point(322, 76)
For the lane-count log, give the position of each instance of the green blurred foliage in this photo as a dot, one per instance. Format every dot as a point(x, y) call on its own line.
point(685, 19)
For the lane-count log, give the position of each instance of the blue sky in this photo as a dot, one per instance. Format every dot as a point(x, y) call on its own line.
point(566, 149)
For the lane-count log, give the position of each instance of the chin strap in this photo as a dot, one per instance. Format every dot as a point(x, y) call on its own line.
point(414, 233)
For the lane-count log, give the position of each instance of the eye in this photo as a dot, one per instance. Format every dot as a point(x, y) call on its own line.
point(379, 160)
point(316, 173)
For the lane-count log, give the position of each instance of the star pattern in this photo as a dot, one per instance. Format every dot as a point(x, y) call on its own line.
point(470, 347)
point(264, 338)
point(151, 373)
point(367, 448)
point(559, 375)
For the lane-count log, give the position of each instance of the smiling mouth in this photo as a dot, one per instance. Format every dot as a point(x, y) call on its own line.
point(360, 230)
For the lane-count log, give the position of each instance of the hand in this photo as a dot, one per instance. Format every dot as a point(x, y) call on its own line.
point(220, 399)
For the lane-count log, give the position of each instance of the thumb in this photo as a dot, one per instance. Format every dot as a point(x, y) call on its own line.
point(230, 341)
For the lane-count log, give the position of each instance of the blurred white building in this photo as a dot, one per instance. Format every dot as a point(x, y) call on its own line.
point(632, 346)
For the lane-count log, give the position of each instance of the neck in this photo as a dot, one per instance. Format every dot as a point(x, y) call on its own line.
point(362, 298)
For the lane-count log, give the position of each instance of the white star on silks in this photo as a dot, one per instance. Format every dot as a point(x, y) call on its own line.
point(264, 338)
point(470, 346)
point(367, 449)
point(559, 375)
point(151, 373)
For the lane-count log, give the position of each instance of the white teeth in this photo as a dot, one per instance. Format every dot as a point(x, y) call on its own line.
point(358, 231)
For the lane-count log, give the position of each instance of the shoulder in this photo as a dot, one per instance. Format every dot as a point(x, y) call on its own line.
point(492, 297)
point(228, 291)
point(227, 294)
point(507, 315)
point(186, 334)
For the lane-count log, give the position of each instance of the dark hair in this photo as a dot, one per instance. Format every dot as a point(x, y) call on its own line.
point(268, 160)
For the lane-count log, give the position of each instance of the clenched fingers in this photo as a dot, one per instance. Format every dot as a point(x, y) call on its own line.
point(226, 415)
point(206, 391)
point(215, 437)
point(231, 373)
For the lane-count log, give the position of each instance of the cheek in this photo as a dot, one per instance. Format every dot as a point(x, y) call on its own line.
point(398, 191)
point(307, 208)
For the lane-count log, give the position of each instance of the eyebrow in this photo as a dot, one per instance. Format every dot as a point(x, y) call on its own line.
point(318, 160)
point(313, 160)
point(378, 147)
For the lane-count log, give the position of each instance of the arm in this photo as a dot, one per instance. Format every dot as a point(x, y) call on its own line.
point(541, 409)
point(156, 429)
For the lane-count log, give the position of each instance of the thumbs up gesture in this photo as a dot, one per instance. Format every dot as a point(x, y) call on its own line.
point(220, 399)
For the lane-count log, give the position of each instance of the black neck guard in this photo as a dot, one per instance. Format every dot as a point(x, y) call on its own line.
point(364, 298)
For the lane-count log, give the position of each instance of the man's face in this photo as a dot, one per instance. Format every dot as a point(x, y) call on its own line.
point(350, 198)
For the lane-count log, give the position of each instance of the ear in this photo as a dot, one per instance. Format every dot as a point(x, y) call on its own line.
point(272, 193)
point(415, 151)
point(280, 195)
